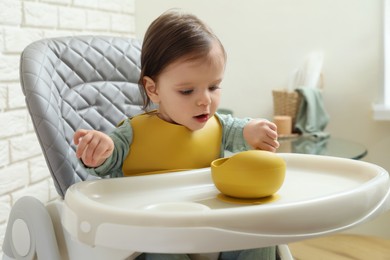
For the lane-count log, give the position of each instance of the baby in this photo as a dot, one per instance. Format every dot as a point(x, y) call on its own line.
point(182, 67)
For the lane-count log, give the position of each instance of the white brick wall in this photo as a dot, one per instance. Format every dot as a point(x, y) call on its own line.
point(23, 169)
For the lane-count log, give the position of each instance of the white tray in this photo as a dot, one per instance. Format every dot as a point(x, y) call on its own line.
point(182, 212)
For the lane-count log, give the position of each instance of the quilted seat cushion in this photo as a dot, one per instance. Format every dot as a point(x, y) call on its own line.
point(78, 82)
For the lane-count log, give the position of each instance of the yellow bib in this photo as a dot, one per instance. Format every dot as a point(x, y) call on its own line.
point(159, 146)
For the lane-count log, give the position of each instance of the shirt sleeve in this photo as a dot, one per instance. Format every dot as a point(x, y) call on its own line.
point(232, 137)
point(122, 137)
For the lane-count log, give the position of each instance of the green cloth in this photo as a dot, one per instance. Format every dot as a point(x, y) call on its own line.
point(311, 117)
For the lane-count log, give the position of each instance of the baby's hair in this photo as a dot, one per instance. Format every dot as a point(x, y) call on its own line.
point(173, 35)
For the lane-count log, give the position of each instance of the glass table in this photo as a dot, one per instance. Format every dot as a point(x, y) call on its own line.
point(330, 146)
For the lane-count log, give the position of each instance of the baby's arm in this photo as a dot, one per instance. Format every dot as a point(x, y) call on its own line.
point(261, 134)
point(93, 147)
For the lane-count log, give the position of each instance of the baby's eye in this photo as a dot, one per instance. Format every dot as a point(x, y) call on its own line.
point(186, 91)
point(213, 88)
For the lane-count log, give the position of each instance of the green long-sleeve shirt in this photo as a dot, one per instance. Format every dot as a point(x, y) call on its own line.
point(232, 140)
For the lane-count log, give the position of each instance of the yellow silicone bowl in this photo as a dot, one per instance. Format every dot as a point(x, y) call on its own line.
point(249, 174)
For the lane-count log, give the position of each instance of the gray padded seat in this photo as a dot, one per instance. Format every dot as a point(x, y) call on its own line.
point(77, 82)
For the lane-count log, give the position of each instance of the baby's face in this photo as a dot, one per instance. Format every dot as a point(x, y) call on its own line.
point(189, 90)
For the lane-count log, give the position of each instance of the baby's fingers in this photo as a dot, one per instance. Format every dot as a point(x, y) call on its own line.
point(91, 143)
point(270, 145)
point(272, 125)
point(84, 145)
point(79, 134)
point(103, 150)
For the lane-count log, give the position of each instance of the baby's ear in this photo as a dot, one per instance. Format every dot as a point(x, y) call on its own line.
point(151, 89)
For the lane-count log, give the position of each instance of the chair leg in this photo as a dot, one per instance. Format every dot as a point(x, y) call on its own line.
point(30, 233)
point(283, 252)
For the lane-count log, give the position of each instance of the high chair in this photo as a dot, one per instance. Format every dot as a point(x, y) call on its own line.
point(91, 82)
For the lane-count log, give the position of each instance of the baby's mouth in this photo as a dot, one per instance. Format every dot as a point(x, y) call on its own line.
point(202, 117)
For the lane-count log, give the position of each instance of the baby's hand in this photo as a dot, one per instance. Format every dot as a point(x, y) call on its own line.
point(261, 134)
point(93, 147)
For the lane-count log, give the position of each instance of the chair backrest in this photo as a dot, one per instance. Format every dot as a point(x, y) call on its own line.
point(77, 82)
